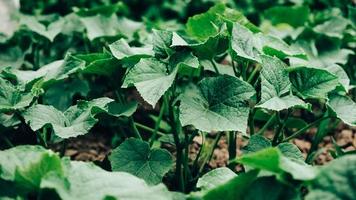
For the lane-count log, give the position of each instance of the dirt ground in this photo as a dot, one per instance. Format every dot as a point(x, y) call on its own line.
point(95, 147)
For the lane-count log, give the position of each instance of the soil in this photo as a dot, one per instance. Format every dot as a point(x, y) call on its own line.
point(95, 147)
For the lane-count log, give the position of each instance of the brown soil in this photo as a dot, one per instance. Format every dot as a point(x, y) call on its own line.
point(95, 147)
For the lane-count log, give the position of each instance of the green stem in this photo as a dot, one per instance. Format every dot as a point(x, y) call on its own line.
point(232, 145)
point(179, 156)
point(278, 129)
point(215, 67)
point(210, 155)
point(134, 128)
point(41, 136)
point(251, 121)
point(158, 122)
point(234, 68)
point(63, 148)
point(196, 161)
point(6, 140)
point(302, 130)
point(268, 123)
point(252, 75)
point(244, 70)
point(148, 129)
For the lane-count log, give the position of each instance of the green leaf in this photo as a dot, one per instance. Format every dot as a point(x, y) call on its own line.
point(292, 15)
point(122, 51)
point(100, 26)
point(98, 63)
point(135, 157)
point(336, 180)
point(344, 108)
point(53, 71)
point(276, 47)
point(333, 27)
point(205, 25)
point(320, 58)
point(33, 170)
point(274, 161)
point(60, 95)
point(275, 85)
point(312, 82)
point(187, 63)
point(49, 32)
point(151, 79)
point(208, 49)
point(13, 97)
point(233, 189)
point(217, 104)
point(26, 165)
point(256, 143)
point(271, 189)
point(259, 142)
point(87, 181)
point(162, 41)
point(291, 151)
point(215, 178)
point(11, 56)
point(244, 43)
point(76, 120)
point(274, 78)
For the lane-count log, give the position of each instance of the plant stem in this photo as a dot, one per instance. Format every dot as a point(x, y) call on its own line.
point(251, 121)
point(252, 75)
point(234, 68)
point(268, 123)
point(158, 122)
point(278, 129)
point(6, 140)
point(179, 157)
point(210, 155)
point(134, 128)
point(215, 67)
point(302, 130)
point(149, 129)
point(232, 145)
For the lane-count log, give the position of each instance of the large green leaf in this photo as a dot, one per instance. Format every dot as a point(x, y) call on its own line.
point(205, 25)
point(333, 27)
point(313, 83)
point(344, 108)
point(98, 63)
point(53, 71)
point(27, 165)
point(336, 180)
point(151, 79)
point(275, 86)
point(13, 97)
point(101, 25)
point(244, 43)
point(135, 157)
point(274, 161)
point(218, 104)
point(76, 120)
point(233, 189)
point(292, 15)
point(215, 178)
point(208, 49)
point(259, 142)
point(60, 94)
point(269, 188)
point(32, 170)
point(162, 41)
point(50, 31)
point(87, 181)
point(122, 51)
